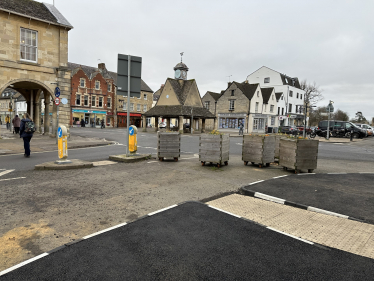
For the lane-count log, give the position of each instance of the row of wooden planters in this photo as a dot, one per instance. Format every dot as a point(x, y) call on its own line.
point(296, 154)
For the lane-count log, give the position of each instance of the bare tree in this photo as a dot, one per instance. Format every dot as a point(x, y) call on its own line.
point(313, 93)
point(340, 115)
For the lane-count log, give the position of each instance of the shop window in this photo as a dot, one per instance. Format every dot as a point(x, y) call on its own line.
point(267, 80)
point(138, 107)
point(100, 101)
point(97, 85)
point(290, 108)
point(78, 100)
point(256, 107)
point(93, 101)
point(131, 107)
point(271, 108)
point(109, 102)
point(144, 107)
point(145, 96)
point(29, 45)
point(232, 105)
point(82, 82)
point(109, 87)
point(85, 100)
point(207, 105)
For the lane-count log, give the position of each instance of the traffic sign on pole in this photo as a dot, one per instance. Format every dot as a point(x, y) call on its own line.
point(57, 92)
point(57, 101)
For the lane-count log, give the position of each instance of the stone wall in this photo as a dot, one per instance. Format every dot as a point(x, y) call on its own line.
point(209, 123)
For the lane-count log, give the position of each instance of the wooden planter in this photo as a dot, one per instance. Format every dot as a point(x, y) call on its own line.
point(298, 154)
point(168, 145)
point(214, 149)
point(258, 149)
point(277, 143)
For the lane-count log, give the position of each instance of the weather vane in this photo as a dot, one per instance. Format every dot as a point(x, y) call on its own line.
point(182, 55)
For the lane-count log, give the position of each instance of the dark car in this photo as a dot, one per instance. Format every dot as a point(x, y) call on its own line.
point(186, 125)
point(301, 129)
point(289, 130)
point(340, 129)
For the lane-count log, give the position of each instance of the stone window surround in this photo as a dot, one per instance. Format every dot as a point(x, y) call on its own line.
point(109, 87)
point(93, 101)
point(231, 105)
point(97, 85)
point(144, 107)
point(109, 101)
point(86, 98)
point(101, 99)
point(80, 99)
point(84, 83)
point(207, 104)
point(22, 44)
point(138, 107)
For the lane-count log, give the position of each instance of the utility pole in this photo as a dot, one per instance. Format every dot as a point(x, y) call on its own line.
point(128, 106)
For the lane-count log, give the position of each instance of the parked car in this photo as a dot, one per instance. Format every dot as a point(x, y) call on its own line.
point(162, 125)
point(186, 125)
point(289, 130)
point(340, 129)
point(369, 130)
point(301, 129)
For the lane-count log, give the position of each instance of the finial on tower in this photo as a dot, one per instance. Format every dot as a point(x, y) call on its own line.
point(182, 55)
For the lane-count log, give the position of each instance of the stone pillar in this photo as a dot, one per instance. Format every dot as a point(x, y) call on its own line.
point(200, 124)
point(144, 123)
point(180, 123)
point(156, 124)
point(168, 124)
point(32, 104)
point(54, 120)
point(37, 117)
point(215, 126)
point(203, 126)
point(46, 120)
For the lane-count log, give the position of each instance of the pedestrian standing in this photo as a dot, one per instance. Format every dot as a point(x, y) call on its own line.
point(16, 124)
point(26, 132)
point(241, 126)
point(102, 124)
point(7, 122)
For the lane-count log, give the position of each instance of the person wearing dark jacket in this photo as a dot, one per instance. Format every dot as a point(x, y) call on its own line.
point(16, 123)
point(25, 135)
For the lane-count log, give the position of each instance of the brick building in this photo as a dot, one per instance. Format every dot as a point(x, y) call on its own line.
point(92, 95)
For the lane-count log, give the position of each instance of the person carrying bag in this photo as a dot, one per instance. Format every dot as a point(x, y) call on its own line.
point(27, 130)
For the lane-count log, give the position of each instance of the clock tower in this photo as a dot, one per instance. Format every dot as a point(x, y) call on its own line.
point(181, 70)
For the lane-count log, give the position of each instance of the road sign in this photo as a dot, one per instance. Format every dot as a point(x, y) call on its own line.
point(57, 101)
point(59, 132)
point(123, 73)
point(131, 131)
point(57, 92)
point(62, 142)
point(330, 108)
point(64, 101)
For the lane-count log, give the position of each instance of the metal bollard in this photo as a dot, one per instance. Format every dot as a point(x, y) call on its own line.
point(351, 137)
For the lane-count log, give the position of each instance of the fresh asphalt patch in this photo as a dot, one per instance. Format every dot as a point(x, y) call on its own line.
point(351, 195)
point(193, 241)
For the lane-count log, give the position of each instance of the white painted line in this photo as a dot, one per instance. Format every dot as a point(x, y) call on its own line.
point(336, 173)
point(366, 173)
point(317, 210)
point(22, 264)
point(290, 235)
point(256, 182)
point(105, 230)
point(189, 158)
point(152, 162)
point(164, 209)
point(280, 177)
point(223, 211)
point(269, 198)
point(6, 172)
point(12, 179)
point(306, 174)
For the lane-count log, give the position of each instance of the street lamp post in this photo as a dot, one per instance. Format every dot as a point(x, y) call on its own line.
point(330, 108)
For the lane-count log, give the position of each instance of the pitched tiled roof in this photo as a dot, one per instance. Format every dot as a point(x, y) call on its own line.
point(216, 96)
point(247, 89)
point(278, 95)
point(266, 93)
point(34, 9)
point(290, 81)
point(181, 90)
point(178, 110)
point(92, 71)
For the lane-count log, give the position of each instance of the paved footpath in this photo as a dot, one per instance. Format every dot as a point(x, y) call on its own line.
point(340, 233)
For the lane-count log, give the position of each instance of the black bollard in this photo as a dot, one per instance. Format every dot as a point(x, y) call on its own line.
point(351, 136)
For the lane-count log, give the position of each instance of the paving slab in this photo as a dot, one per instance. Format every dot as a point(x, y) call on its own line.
point(192, 242)
point(72, 164)
point(340, 233)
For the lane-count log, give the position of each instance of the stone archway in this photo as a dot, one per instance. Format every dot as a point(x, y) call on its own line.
point(32, 91)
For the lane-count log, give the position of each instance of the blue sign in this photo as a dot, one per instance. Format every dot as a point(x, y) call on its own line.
point(131, 131)
point(59, 132)
point(57, 92)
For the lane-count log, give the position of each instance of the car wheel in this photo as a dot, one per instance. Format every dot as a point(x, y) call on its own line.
point(355, 136)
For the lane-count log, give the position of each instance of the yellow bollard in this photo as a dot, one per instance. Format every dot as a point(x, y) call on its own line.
point(133, 144)
point(62, 134)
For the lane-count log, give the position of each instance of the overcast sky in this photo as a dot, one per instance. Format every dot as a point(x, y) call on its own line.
point(329, 42)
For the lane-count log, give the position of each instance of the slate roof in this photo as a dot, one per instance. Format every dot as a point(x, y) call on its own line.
point(247, 89)
point(278, 95)
point(30, 8)
point(157, 94)
point(181, 90)
point(181, 65)
point(92, 71)
point(266, 93)
point(178, 110)
point(216, 96)
point(286, 80)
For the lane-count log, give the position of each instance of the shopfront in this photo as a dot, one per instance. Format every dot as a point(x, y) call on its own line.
point(231, 120)
point(135, 119)
point(90, 117)
point(258, 123)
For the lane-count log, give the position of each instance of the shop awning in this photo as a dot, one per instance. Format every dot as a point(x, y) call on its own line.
point(131, 114)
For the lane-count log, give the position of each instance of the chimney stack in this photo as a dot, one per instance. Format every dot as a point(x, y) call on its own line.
point(101, 66)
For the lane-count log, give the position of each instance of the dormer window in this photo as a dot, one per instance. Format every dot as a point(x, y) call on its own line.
point(267, 80)
point(97, 85)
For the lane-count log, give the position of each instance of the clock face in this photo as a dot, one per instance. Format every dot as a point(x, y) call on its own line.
point(177, 73)
point(184, 74)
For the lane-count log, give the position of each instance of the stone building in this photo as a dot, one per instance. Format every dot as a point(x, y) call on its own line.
point(33, 56)
point(180, 99)
point(210, 102)
point(92, 95)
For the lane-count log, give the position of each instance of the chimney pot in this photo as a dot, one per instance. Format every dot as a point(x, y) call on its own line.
point(101, 66)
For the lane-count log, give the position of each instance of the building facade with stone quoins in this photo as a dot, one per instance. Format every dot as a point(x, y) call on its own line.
point(33, 57)
point(210, 102)
point(92, 96)
point(247, 104)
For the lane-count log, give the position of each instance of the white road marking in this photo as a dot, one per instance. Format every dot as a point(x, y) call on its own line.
point(269, 198)
point(164, 209)
point(290, 235)
point(22, 264)
point(152, 162)
point(317, 210)
point(255, 182)
point(280, 177)
point(6, 172)
point(224, 211)
point(105, 230)
point(13, 179)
